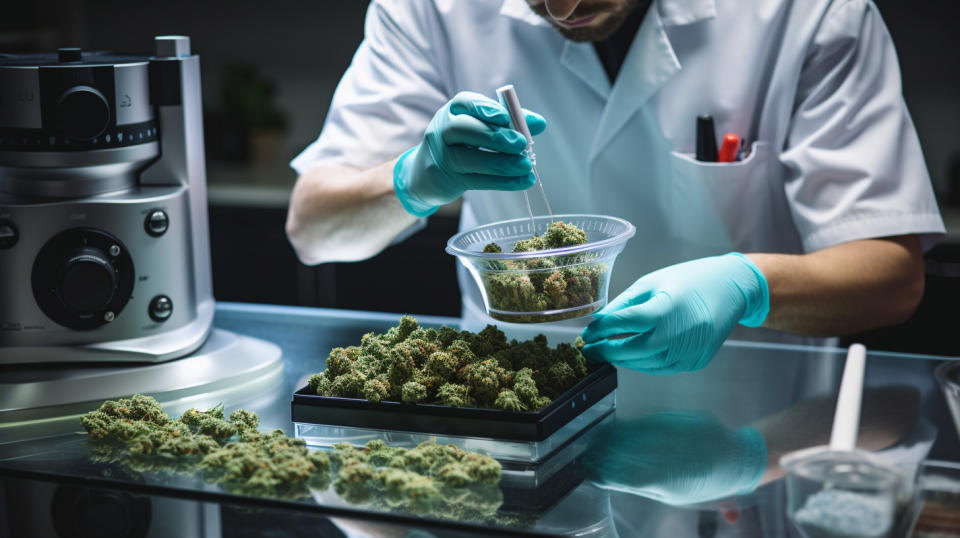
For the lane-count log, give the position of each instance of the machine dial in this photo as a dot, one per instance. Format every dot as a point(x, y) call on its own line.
point(88, 281)
point(83, 112)
point(82, 278)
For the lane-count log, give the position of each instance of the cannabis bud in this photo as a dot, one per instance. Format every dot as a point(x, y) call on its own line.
point(444, 366)
point(546, 283)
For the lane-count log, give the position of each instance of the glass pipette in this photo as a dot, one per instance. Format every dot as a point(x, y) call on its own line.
point(508, 98)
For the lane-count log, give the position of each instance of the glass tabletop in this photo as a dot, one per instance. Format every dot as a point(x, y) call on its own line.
point(690, 454)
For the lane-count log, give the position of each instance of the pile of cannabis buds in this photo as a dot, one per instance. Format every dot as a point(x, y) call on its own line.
point(545, 283)
point(439, 480)
point(444, 366)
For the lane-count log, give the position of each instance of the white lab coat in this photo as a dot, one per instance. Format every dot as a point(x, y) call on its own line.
point(812, 85)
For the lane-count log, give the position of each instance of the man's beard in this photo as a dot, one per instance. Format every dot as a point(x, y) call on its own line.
point(617, 14)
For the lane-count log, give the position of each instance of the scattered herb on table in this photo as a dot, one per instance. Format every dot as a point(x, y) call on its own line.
point(228, 450)
point(439, 480)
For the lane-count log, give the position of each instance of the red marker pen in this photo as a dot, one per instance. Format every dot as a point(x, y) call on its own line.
point(729, 148)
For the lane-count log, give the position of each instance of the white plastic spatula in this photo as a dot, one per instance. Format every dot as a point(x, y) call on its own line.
point(846, 418)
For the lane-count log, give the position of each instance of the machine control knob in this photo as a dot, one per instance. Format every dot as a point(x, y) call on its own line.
point(82, 278)
point(157, 223)
point(87, 281)
point(8, 234)
point(83, 112)
point(161, 308)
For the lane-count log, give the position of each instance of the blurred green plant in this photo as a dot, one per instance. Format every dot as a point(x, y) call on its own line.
point(250, 98)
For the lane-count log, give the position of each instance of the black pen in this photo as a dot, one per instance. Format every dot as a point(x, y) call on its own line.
point(706, 139)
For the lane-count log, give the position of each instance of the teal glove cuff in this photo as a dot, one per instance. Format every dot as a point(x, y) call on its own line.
point(411, 204)
point(758, 299)
point(755, 457)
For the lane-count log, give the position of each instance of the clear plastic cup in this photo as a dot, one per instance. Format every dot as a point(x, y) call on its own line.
point(542, 285)
point(841, 494)
point(948, 374)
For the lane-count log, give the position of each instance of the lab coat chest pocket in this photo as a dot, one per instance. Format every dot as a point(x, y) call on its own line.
point(716, 207)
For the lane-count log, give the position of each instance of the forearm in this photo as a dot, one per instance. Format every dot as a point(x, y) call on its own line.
point(344, 214)
point(845, 288)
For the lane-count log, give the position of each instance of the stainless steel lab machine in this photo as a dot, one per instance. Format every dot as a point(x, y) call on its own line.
point(104, 254)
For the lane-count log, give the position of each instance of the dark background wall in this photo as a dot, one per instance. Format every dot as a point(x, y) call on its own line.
point(302, 47)
point(287, 57)
point(290, 54)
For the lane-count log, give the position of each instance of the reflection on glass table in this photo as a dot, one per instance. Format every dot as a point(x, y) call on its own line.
point(939, 485)
point(676, 459)
point(690, 457)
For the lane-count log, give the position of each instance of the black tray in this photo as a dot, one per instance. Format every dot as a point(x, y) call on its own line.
point(457, 421)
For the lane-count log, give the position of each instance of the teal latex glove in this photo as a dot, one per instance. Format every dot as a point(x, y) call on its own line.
point(676, 458)
point(468, 145)
point(675, 319)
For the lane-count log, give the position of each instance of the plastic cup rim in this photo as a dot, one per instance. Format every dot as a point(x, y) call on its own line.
point(941, 374)
point(618, 239)
point(791, 462)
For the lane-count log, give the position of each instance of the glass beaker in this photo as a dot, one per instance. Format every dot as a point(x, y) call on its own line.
point(841, 494)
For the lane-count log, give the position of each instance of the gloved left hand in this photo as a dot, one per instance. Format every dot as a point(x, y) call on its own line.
point(676, 457)
point(675, 319)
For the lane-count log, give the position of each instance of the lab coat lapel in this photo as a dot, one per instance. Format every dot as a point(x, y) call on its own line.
point(649, 64)
point(582, 61)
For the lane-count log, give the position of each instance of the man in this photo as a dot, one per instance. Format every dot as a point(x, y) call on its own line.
point(831, 207)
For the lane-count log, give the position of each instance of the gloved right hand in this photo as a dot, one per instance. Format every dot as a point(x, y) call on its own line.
point(469, 144)
point(675, 319)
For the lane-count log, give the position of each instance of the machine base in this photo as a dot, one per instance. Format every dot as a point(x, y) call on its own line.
point(154, 348)
point(45, 400)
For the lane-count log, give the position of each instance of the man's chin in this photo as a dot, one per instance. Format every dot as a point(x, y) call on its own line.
point(584, 34)
point(598, 32)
